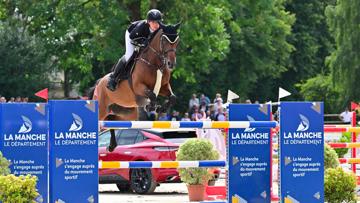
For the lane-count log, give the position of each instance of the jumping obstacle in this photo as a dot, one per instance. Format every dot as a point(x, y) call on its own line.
point(74, 158)
point(342, 129)
point(160, 164)
point(344, 145)
point(186, 124)
point(354, 130)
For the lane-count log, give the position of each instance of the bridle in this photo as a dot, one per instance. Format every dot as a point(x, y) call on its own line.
point(161, 54)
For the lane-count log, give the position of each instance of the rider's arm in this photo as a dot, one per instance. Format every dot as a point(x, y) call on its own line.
point(140, 30)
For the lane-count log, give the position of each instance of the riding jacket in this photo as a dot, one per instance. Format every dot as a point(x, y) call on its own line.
point(140, 31)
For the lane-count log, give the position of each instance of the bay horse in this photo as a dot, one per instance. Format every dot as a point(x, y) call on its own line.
point(149, 77)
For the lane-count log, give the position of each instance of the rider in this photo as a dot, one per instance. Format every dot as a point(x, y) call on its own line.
point(136, 35)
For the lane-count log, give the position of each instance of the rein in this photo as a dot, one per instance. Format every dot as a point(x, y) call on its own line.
point(160, 54)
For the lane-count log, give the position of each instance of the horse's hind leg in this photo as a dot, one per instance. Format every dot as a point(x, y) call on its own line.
point(103, 103)
point(125, 114)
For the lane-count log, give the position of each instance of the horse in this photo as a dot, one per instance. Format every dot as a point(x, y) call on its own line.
point(149, 77)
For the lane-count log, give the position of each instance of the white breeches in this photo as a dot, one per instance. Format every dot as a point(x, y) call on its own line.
point(129, 47)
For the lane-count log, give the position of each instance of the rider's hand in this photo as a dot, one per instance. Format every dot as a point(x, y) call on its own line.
point(140, 42)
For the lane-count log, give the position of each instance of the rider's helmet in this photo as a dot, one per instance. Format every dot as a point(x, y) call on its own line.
point(154, 15)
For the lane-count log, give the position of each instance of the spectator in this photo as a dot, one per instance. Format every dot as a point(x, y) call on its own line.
point(204, 99)
point(163, 117)
point(25, 99)
point(218, 104)
point(18, 99)
point(346, 116)
point(217, 97)
point(151, 116)
point(194, 101)
point(208, 115)
point(186, 117)
point(174, 116)
point(196, 115)
point(12, 100)
point(248, 101)
point(2, 99)
point(220, 116)
point(203, 107)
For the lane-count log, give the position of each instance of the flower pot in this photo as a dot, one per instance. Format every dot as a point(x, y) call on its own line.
point(196, 192)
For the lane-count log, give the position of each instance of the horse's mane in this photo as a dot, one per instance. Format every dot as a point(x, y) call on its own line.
point(153, 35)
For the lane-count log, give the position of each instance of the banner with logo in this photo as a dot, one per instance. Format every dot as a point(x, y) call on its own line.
point(302, 152)
point(24, 141)
point(249, 155)
point(73, 151)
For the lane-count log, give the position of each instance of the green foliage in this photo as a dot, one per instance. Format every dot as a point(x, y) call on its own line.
point(201, 43)
point(78, 34)
point(195, 150)
point(331, 159)
point(24, 64)
point(20, 189)
point(312, 42)
point(4, 165)
point(339, 186)
point(345, 138)
point(321, 88)
point(344, 23)
point(259, 49)
point(87, 37)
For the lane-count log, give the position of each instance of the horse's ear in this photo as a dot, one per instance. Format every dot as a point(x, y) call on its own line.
point(177, 25)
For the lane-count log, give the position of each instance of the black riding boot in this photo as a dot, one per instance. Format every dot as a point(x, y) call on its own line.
point(118, 70)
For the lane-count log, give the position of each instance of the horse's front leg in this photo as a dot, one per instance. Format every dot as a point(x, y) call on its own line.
point(145, 97)
point(166, 91)
point(152, 96)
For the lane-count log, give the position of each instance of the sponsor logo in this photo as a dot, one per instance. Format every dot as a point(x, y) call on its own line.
point(77, 123)
point(26, 126)
point(249, 130)
point(304, 124)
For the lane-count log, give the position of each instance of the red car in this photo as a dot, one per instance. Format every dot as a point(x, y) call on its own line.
point(142, 145)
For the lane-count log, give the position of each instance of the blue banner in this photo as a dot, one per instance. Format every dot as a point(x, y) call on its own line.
point(24, 142)
point(302, 152)
point(249, 156)
point(73, 151)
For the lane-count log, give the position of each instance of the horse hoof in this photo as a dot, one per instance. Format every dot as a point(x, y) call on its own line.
point(172, 99)
point(149, 108)
point(159, 109)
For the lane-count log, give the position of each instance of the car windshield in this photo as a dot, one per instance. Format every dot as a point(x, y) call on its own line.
point(177, 137)
point(104, 139)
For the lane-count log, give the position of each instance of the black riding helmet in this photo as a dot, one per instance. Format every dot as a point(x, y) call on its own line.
point(154, 15)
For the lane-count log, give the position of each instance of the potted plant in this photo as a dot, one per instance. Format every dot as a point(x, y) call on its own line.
point(196, 178)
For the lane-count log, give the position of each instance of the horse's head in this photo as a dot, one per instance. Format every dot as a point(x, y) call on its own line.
point(168, 43)
point(164, 43)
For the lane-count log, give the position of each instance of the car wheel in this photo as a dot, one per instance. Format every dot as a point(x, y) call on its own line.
point(142, 181)
point(124, 187)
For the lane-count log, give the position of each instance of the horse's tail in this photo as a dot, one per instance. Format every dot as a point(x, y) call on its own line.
point(91, 90)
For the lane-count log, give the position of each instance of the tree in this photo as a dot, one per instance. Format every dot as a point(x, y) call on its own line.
point(88, 36)
point(321, 88)
point(312, 42)
point(24, 63)
point(259, 49)
point(77, 34)
point(344, 22)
